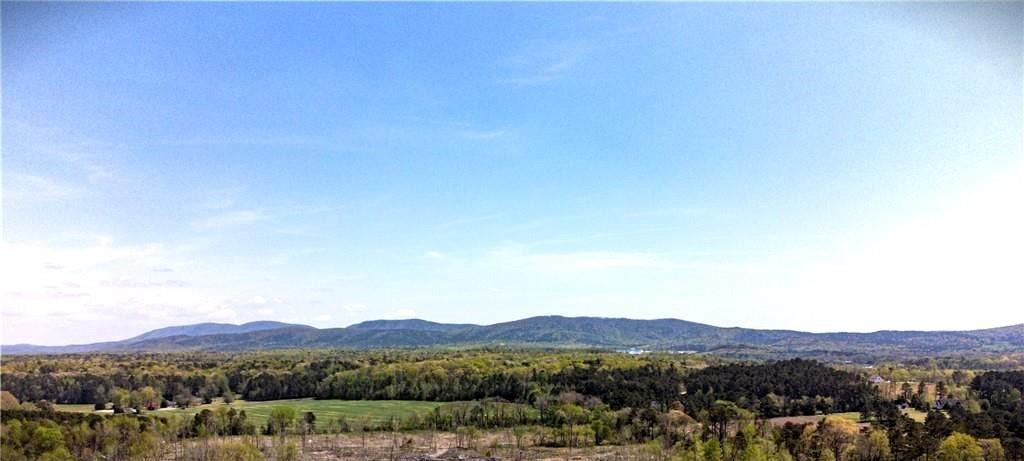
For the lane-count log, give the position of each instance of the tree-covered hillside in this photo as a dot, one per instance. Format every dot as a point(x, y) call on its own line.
point(556, 331)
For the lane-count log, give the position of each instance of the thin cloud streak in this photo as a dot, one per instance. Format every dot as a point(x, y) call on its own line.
point(22, 187)
point(542, 61)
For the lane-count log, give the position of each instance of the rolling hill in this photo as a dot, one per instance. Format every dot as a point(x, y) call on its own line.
point(186, 331)
point(557, 331)
point(204, 329)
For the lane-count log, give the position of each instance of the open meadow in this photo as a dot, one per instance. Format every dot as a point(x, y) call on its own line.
point(378, 411)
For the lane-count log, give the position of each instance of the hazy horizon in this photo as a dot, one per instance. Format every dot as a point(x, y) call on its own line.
point(814, 167)
point(132, 335)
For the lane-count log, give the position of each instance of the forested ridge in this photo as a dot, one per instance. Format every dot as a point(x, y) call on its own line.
point(557, 331)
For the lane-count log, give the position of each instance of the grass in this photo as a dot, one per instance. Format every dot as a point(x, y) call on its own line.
point(75, 407)
point(916, 415)
point(377, 410)
point(850, 415)
point(325, 410)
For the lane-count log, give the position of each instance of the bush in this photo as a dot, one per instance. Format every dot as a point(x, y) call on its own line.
point(237, 451)
point(960, 447)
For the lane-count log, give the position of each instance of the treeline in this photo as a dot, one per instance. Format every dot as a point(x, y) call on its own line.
point(58, 436)
point(414, 375)
point(792, 387)
point(49, 436)
point(1005, 361)
point(996, 422)
point(92, 378)
point(726, 433)
point(619, 384)
point(786, 388)
point(1002, 410)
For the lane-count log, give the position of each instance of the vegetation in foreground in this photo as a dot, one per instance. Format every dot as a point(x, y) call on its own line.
point(661, 407)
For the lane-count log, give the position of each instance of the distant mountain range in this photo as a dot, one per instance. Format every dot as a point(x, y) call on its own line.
point(556, 331)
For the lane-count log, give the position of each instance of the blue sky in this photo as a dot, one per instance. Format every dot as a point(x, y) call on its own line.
point(806, 166)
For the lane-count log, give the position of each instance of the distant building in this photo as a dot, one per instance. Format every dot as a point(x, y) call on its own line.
point(877, 379)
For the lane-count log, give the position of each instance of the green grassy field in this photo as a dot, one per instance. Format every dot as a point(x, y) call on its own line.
point(75, 407)
point(325, 410)
point(851, 416)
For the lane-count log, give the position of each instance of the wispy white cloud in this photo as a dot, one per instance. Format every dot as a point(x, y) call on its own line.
point(73, 291)
point(74, 155)
point(542, 61)
point(223, 314)
point(670, 211)
point(242, 139)
point(28, 187)
point(357, 307)
point(433, 254)
point(82, 254)
point(484, 135)
point(418, 129)
point(404, 313)
point(460, 222)
point(80, 157)
point(229, 219)
point(219, 199)
point(135, 283)
point(519, 257)
point(286, 256)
